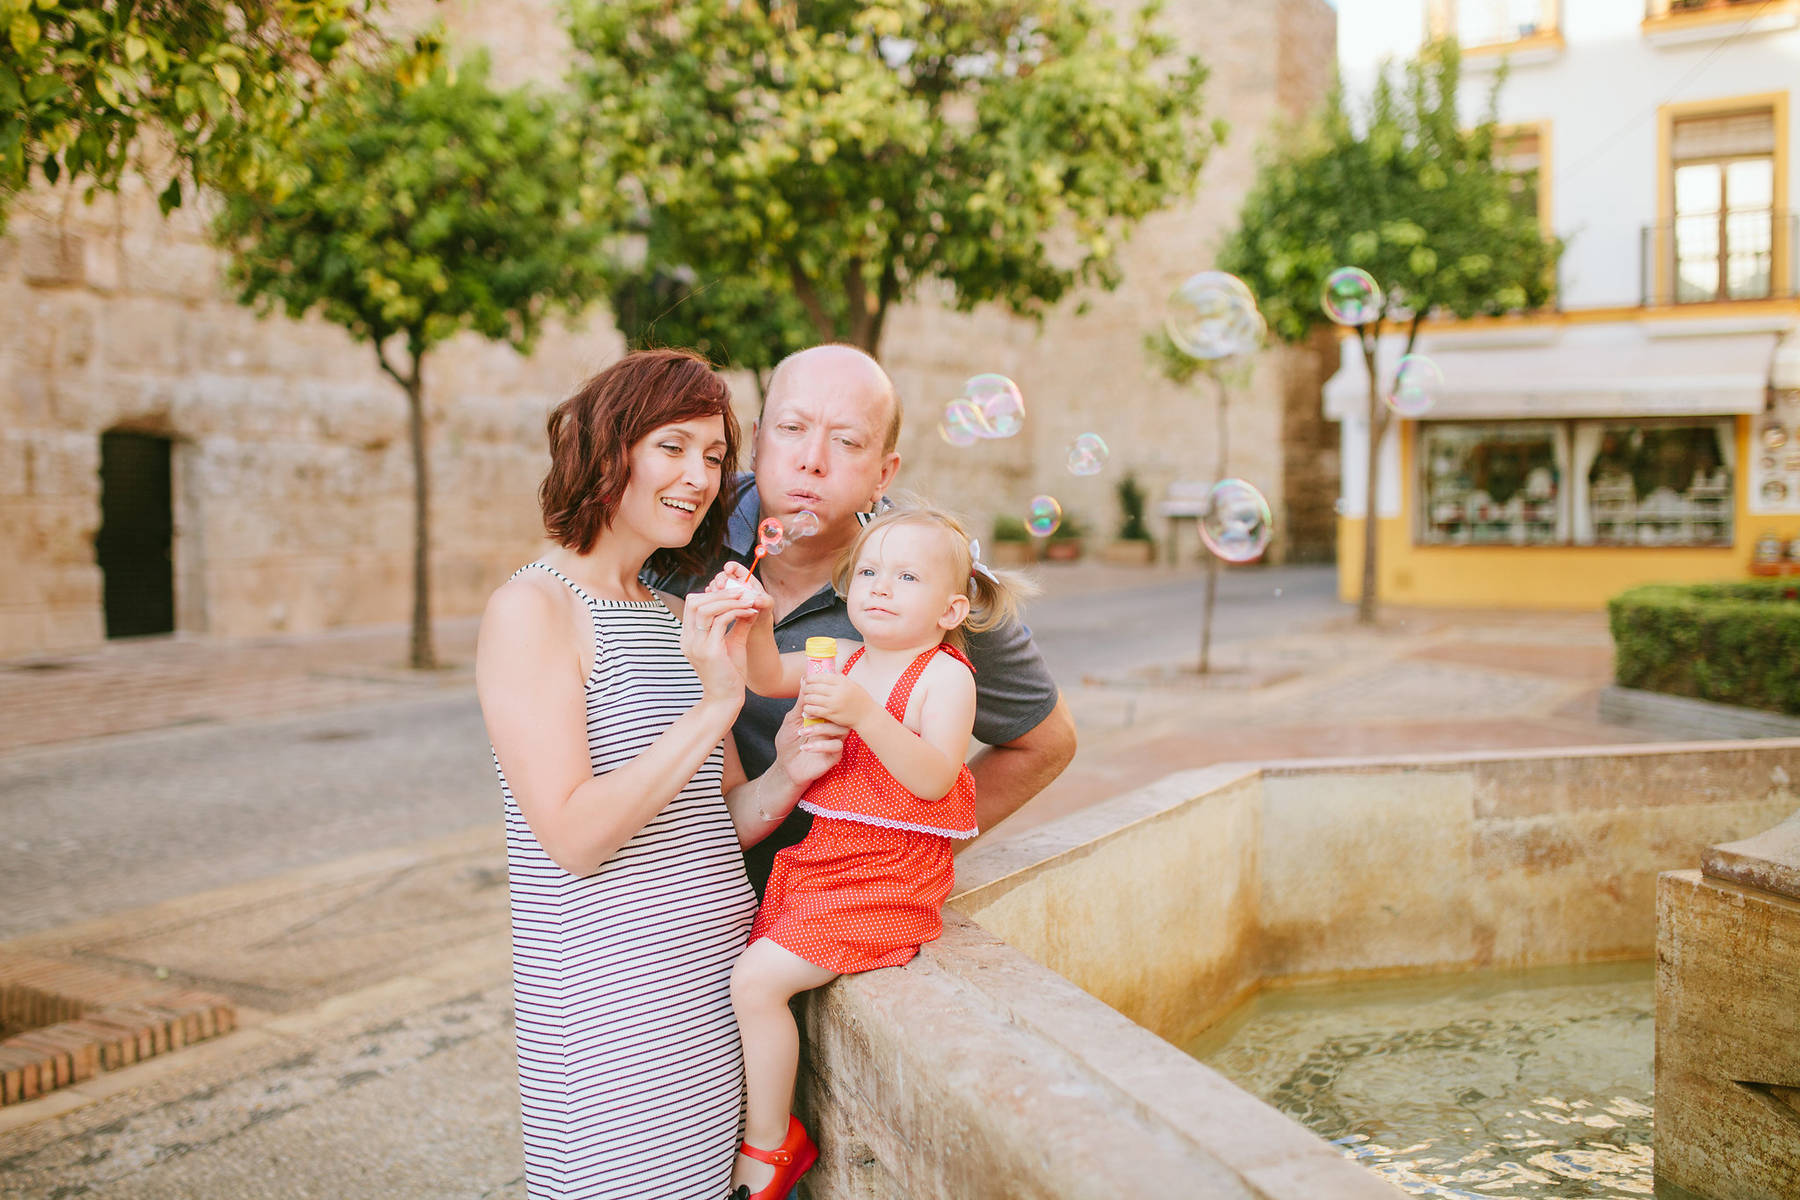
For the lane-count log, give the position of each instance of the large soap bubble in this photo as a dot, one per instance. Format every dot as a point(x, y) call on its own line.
point(1416, 383)
point(963, 425)
point(1212, 315)
point(1351, 296)
point(1088, 454)
point(1237, 523)
point(1043, 515)
point(999, 402)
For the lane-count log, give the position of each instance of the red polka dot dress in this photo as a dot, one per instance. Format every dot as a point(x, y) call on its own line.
point(865, 887)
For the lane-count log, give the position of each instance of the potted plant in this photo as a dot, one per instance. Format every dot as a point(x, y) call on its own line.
point(1135, 546)
point(1064, 542)
point(1013, 545)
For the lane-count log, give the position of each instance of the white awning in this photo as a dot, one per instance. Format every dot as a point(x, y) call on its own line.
point(1614, 369)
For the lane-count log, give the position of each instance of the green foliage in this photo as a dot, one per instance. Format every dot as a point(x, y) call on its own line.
point(423, 210)
point(1131, 503)
point(841, 154)
point(1068, 529)
point(1177, 366)
point(1733, 643)
point(1010, 529)
point(220, 81)
point(734, 321)
point(1406, 193)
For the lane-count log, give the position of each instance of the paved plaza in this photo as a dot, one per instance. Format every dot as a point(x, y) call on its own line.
point(304, 827)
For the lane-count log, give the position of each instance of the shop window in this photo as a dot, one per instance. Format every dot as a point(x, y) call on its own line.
point(1600, 483)
point(1651, 484)
point(1723, 183)
point(1497, 484)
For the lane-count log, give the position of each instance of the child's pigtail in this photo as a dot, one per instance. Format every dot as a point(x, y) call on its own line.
point(995, 596)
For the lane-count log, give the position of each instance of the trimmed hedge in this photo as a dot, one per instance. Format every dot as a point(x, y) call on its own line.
point(1733, 643)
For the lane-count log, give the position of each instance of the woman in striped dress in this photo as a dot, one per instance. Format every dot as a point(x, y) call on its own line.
point(607, 705)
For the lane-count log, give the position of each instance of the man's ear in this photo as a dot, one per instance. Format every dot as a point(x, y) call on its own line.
point(955, 613)
point(890, 467)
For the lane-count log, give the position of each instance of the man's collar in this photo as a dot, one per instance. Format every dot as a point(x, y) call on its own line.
point(740, 527)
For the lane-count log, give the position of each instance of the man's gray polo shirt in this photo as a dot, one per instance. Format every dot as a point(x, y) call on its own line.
point(1013, 688)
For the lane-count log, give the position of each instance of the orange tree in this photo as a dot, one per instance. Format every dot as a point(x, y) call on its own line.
point(418, 209)
point(1411, 195)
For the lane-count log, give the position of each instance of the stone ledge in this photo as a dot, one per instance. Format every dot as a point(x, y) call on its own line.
point(1769, 860)
point(78, 1021)
point(1685, 717)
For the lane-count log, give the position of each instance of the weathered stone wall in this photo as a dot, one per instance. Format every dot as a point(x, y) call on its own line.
point(975, 1074)
point(1171, 902)
point(292, 475)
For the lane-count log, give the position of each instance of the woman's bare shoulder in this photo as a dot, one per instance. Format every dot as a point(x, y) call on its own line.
point(526, 598)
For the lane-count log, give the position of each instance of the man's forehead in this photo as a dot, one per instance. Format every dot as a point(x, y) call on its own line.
point(835, 403)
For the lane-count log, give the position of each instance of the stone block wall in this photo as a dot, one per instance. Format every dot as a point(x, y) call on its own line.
point(292, 476)
point(977, 1074)
point(1237, 876)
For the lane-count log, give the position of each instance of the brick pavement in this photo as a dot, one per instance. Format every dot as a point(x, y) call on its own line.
point(155, 683)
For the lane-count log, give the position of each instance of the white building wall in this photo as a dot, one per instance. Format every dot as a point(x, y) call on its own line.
point(1601, 94)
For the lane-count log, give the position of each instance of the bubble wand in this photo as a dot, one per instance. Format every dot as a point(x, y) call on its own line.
point(771, 538)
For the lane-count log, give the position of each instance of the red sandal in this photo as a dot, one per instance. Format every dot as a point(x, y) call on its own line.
point(792, 1159)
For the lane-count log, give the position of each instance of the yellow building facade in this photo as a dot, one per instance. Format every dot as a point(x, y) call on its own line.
point(1648, 429)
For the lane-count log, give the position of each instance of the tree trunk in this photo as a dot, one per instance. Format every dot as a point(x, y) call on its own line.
point(1368, 599)
point(1206, 613)
point(1221, 464)
point(423, 656)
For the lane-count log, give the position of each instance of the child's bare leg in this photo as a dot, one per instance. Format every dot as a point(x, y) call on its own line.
point(765, 978)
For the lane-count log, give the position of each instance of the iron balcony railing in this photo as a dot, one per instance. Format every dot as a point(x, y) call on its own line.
point(1703, 258)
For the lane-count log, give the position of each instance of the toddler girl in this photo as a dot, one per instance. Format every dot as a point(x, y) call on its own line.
point(864, 888)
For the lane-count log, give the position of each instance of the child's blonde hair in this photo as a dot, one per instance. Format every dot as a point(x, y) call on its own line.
point(994, 596)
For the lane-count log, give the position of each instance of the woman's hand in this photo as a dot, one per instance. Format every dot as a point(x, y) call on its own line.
point(714, 629)
point(803, 753)
point(837, 699)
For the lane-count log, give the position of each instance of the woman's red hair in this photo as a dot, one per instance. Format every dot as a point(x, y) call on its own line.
point(591, 436)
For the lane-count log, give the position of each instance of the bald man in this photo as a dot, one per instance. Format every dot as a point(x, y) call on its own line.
point(825, 443)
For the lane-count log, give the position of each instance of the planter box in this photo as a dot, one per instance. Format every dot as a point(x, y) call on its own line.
point(1062, 549)
point(1132, 553)
point(1010, 554)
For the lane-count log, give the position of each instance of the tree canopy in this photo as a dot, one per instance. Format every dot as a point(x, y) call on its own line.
point(845, 153)
point(1408, 193)
point(221, 81)
point(735, 321)
point(424, 208)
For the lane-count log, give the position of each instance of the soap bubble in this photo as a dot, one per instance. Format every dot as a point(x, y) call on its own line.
point(771, 538)
point(1213, 315)
point(1416, 383)
point(804, 523)
point(963, 424)
point(1351, 296)
point(1043, 515)
point(1237, 524)
point(1088, 454)
point(999, 402)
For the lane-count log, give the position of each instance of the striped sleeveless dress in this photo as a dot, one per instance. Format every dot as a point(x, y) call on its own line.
point(630, 1071)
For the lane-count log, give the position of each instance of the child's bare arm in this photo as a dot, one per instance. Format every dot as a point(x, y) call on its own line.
point(925, 763)
point(767, 671)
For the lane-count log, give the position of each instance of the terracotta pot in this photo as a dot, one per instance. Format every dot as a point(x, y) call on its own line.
point(1009, 554)
point(1130, 553)
point(1062, 550)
